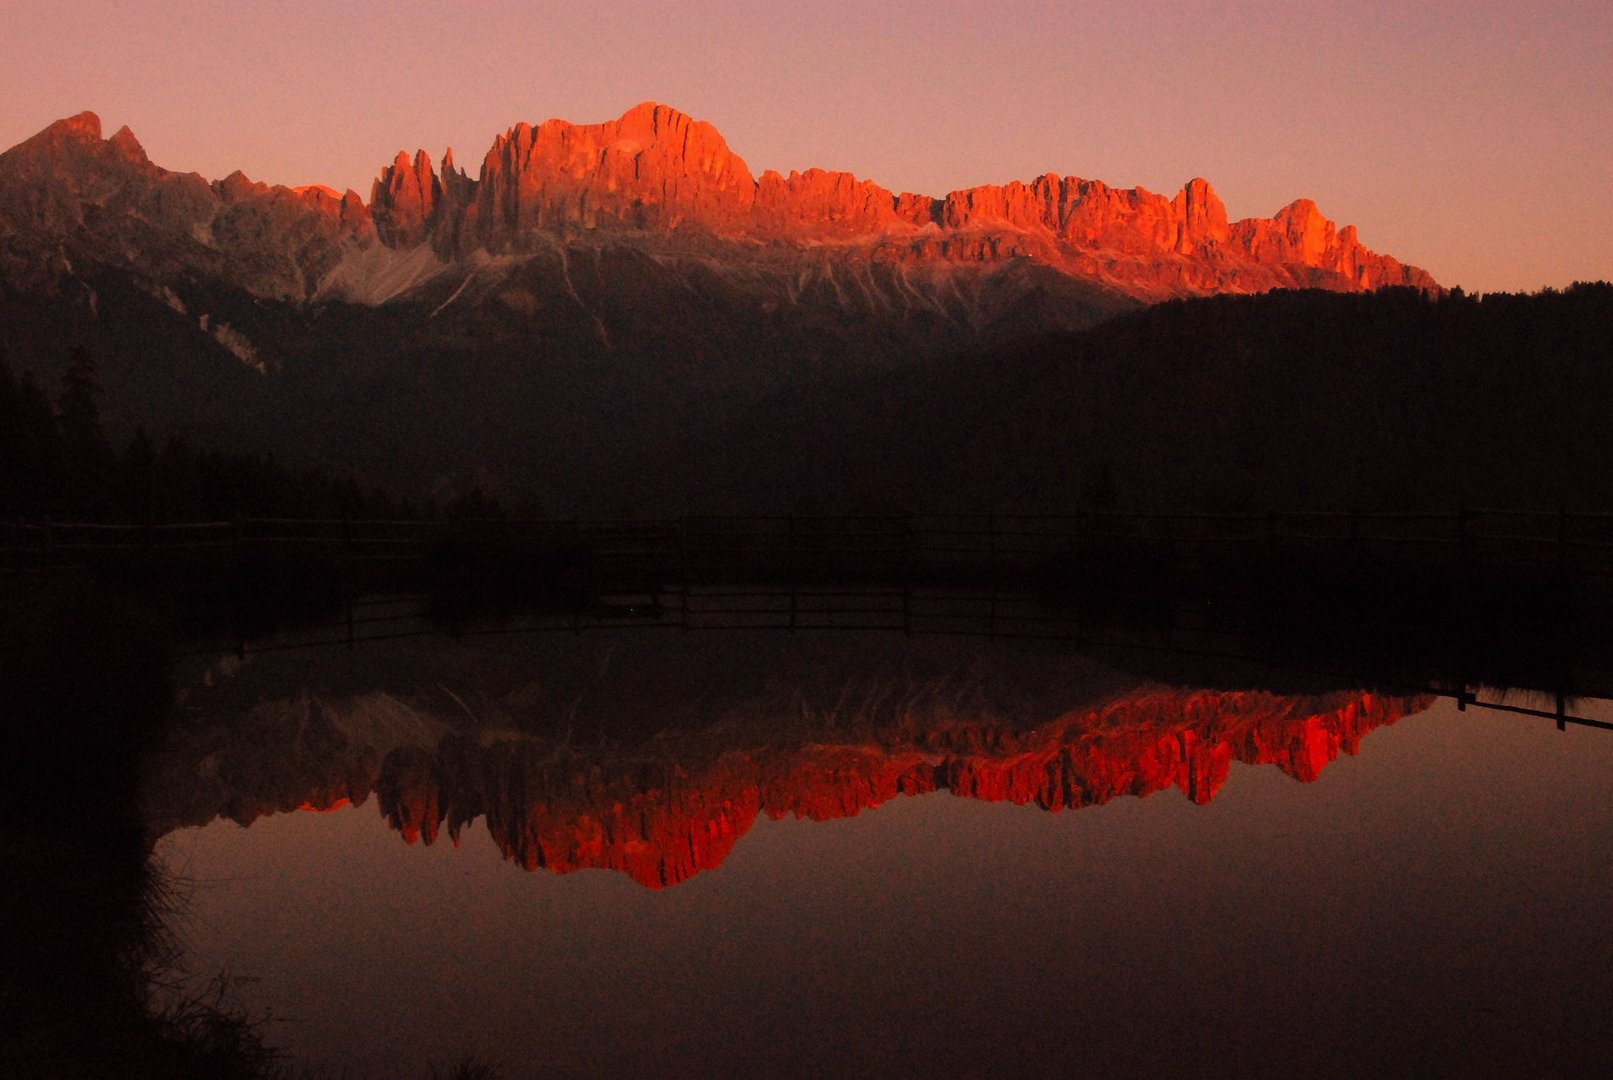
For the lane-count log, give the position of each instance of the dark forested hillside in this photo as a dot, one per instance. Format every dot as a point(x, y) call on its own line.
point(1389, 400)
point(1289, 400)
point(57, 461)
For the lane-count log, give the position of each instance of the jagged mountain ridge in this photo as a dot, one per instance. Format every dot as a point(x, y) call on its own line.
point(586, 324)
point(656, 170)
point(654, 178)
point(69, 197)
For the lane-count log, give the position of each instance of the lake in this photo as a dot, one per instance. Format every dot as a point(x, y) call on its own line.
point(767, 854)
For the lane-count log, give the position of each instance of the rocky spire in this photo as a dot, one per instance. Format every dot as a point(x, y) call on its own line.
point(404, 200)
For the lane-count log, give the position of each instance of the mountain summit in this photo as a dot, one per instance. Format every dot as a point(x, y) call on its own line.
point(657, 171)
point(653, 178)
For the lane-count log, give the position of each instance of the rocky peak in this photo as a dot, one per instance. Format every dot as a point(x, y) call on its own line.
point(404, 200)
point(818, 205)
point(1201, 217)
point(69, 152)
point(129, 146)
point(354, 214)
point(1305, 232)
point(85, 127)
point(238, 186)
point(346, 208)
point(653, 168)
point(1301, 237)
point(451, 174)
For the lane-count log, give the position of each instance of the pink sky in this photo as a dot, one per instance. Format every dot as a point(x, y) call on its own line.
point(1474, 139)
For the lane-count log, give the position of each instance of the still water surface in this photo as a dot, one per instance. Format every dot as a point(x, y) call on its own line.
point(1436, 904)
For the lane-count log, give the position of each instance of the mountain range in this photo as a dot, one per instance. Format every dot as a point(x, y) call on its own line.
point(658, 181)
point(598, 297)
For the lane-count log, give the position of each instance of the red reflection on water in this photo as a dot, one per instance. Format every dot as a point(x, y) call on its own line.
point(664, 809)
point(325, 806)
point(663, 813)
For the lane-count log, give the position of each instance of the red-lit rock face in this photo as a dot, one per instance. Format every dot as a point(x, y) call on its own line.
point(653, 178)
point(405, 197)
point(661, 822)
point(665, 810)
point(657, 171)
point(653, 169)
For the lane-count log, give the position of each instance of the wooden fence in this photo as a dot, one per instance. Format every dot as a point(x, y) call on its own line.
point(703, 549)
point(919, 575)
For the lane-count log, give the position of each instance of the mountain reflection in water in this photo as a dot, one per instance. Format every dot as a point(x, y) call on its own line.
point(1432, 907)
point(594, 787)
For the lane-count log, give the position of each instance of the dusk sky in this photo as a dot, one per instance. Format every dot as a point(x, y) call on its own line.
point(1474, 139)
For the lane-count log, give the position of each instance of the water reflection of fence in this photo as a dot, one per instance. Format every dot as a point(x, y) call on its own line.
point(914, 611)
point(962, 575)
point(890, 548)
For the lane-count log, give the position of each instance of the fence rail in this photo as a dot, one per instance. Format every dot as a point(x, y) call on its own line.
point(912, 612)
point(704, 545)
point(921, 574)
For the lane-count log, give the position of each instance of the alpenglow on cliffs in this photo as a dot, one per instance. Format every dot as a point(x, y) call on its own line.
point(657, 181)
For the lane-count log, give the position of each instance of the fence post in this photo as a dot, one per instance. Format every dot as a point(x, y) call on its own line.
point(347, 570)
point(907, 575)
point(1070, 578)
point(996, 572)
point(683, 565)
point(238, 587)
point(790, 567)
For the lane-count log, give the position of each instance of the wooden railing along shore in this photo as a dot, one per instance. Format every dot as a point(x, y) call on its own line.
point(700, 547)
point(954, 575)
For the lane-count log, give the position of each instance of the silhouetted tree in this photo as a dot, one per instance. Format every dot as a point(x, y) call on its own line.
point(138, 472)
point(86, 455)
point(30, 448)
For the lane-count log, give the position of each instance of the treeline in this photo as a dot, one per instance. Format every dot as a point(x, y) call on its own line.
point(1393, 400)
point(1387, 401)
point(58, 462)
